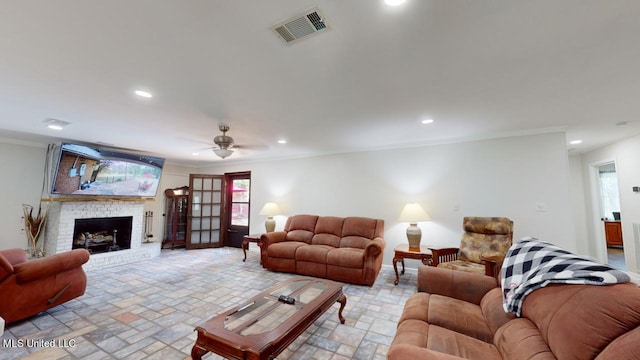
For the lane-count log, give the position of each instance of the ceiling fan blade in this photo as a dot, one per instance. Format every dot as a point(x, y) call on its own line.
point(251, 147)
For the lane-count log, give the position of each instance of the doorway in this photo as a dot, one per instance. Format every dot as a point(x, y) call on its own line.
point(238, 206)
point(610, 214)
point(205, 211)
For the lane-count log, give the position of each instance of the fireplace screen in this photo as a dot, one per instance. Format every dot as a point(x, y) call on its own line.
point(99, 235)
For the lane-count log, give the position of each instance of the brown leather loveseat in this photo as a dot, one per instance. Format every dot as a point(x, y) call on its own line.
point(28, 287)
point(346, 249)
point(460, 315)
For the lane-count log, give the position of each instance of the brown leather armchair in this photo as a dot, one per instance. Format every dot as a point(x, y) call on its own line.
point(484, 245)
point(28, 287)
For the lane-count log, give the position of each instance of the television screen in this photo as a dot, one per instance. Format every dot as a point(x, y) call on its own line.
point(87, 170)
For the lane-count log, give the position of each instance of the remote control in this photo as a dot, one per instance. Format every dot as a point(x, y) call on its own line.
point(287, 299)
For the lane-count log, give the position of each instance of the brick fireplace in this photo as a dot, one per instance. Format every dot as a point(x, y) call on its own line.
point(61, 222)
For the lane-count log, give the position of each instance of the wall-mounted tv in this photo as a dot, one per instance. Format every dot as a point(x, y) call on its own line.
point(90, 170)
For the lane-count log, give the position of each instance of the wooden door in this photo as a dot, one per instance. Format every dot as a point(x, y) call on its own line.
point(206, 205)
point(237, 207)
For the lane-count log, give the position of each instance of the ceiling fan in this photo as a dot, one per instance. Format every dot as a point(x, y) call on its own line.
point(224, 142)
point(225, 145)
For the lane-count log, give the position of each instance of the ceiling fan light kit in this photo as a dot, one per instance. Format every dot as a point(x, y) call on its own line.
point(223, 153)
point(224, 142)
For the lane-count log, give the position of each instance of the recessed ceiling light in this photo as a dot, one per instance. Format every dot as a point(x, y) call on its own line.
point(143, 93)
point(195, 154)
point(394, 2)
point(427, 121)
point(55, 124)
point(575, 142)
point(282, 141)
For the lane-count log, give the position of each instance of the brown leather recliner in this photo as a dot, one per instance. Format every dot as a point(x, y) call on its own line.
point(28, 287)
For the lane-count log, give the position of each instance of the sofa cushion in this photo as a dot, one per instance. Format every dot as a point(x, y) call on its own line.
point(460, 316)
point(603, 313)
point(624, 347)
point(301, 222)
point(301, 227)
point(463, 266)
point(453, 343)
point(485, 237)
point(300, 236)
point(346, 257)
point(421, 334)
point(328, 231)
point(284, 250)
point(358, 231)
point(313, 253)
point(520, 339)
point(494, 314)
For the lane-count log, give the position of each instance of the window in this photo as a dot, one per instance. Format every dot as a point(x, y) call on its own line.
point(240, 202)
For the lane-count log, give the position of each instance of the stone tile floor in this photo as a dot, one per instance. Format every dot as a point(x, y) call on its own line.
point(149, 309)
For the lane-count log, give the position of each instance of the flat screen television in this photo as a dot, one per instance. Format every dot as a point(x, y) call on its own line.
point(95, 171)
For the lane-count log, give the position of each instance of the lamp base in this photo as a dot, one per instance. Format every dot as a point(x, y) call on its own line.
point(414, 235)
point(270, 224)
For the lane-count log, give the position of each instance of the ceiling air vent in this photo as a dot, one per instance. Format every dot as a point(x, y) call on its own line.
point(301, 26)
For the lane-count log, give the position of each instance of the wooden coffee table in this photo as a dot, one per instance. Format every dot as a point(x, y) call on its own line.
point(264, 326)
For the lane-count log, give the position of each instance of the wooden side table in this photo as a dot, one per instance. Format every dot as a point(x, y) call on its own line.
point(404, 252)
point(245, 244)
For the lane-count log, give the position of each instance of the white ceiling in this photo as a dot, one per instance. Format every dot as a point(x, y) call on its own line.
point(480, 69)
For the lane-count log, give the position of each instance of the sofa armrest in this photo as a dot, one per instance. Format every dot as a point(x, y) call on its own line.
point(272, 237)
point(6, 268)
point(50, 265)
point(443, 255)
point(493, 266)
point(375, 247)
point(406, 351)
point(462, 285)
point(8, 258)
point(14, 256)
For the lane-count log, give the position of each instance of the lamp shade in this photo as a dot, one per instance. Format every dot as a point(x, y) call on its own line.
point(270, 209)
point(413, 213)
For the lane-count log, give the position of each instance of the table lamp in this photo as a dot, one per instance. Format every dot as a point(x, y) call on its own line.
point(414, 213)
point(270, 209)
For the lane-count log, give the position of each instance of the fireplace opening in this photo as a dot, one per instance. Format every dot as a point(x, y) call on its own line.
point(100, 235)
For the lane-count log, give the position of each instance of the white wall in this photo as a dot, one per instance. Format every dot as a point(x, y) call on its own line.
point(21, 183)
point(579, 207)
point(626, 155)
point(502, 177)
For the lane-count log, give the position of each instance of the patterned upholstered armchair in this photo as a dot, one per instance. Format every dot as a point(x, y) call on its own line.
point(484, 245)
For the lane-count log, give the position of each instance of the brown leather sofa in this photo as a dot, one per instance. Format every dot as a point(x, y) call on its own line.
point(346, 249)
point(459, 315)
point(28, 287)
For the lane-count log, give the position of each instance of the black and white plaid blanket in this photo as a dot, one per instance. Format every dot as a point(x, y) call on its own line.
point(532, 264)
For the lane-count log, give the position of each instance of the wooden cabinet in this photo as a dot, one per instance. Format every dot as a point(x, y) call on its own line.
point(175, 227)
point(613, 232)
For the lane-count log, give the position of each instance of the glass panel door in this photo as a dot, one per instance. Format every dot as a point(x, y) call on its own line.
point(205, 211)
point(238, 200)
